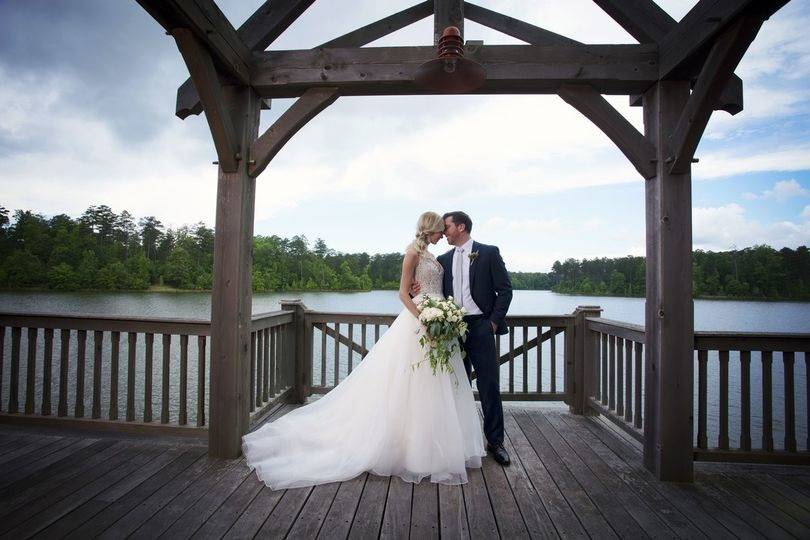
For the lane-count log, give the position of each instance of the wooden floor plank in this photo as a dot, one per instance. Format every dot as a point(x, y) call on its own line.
point(134, 458)
point(645, 515)
point(309, 520)
point(507, 513)
point(589, 515)
point(112, 513)
point(638, 479)
point(215, 495)
point(230, 510)
point(134, 518)
point(797, 496)
point(19, 442)
point(397, 517)
point(772, 507)
point(480, 517)
point(31, 464)
point(370, 510)
point(164, 518)
point(279, 522)
point(99, 502)
point(686, 503)
point(425, 511)
point(338, 520)
point(453, 513)
point(551, 500)
point(251, 520)
point(9, 459)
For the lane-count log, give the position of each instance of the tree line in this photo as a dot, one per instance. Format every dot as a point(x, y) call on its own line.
point(102, 250)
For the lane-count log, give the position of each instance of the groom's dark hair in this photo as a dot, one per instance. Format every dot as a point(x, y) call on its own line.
point(460, 217)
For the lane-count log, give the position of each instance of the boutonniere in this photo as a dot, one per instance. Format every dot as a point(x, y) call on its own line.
point(473, 255)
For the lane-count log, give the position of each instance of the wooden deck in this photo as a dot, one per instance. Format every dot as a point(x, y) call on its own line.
point(571, 477)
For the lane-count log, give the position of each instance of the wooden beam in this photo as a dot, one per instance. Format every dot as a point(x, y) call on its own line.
point(689, 39)
point(516, 28)
point(383, 27)
point(302, 111)
point(447, 13)
point(638, 150)
point(231, 298)
point(642, 19)
point(669, 311)
point(257, 33)
point(727, 52)
point(204, 74)
point(211, 27)
point(511, 69)
point(648, 23)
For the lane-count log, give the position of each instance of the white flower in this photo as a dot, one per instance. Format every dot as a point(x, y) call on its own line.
point(430, 314)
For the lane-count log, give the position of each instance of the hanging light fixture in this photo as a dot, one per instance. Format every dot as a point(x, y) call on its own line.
point(450, 73)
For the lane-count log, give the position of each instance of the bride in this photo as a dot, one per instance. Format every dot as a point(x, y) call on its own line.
point(388, 416)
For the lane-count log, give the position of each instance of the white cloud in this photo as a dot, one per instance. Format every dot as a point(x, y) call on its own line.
point(721, 227)
point(806, 212)
point(781, 191)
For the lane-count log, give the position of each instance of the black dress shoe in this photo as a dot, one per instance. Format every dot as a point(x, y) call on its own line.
point(500, 454)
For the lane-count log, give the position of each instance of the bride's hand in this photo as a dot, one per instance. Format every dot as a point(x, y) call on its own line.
point(415, 288)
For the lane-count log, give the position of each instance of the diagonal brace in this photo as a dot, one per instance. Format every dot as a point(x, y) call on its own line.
point(726, 53)
point(302, 111)
point(206, 80)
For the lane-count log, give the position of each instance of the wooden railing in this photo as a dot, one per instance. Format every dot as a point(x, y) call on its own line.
point(615, 389)
point(272, 362)
point(536, 356)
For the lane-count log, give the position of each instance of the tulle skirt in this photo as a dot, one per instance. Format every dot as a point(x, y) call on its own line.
point(388, 417)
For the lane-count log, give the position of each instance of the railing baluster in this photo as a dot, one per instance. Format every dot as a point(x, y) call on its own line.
point(147, 379)
point(767, 401)
point(539, 374)
point(511, 359)
point(337, 353)
point(722, 436)
point(252, 398)
point(2, 357)
point(14, 382)
point(612, 372)
point(363, 327)
point(259, 366)
point(31, 371)
point(525, 359)
point(132, 349)
point(376, 333)
point(265, 383)
point(274, 361)
point(628, 380)
point(183, 415)
point(98, 347)
point(703, 390)
point(64, 359)
point(806, 392)
point(201, 381)
point(47, 369)
point(351, 347)
point(81, 350)
point(788, 358)
point(745, 400)
point(322, 328)
point(166, 358)
point(619, 377)
point(114, 351)
point(553, 360)
point(603, 373)
point(638, 414)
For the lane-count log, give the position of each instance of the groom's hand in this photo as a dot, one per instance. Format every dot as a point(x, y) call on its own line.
point(415, 288)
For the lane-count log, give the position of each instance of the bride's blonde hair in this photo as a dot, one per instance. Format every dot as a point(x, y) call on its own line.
point(427, 224)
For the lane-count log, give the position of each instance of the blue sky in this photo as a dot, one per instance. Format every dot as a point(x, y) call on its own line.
point(87, 117)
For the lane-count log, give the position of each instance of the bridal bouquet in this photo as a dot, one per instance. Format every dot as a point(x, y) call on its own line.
point(444, 324)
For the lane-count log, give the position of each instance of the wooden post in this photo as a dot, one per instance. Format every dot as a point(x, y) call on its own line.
point(669, 312)
point(302, 345)
point(582, 360)
point(232, 294)
point(447, 13)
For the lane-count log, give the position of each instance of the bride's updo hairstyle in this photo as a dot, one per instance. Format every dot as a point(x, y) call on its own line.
point(428, 223)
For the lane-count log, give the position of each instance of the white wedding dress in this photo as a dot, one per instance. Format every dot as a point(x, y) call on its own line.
point(386, 417)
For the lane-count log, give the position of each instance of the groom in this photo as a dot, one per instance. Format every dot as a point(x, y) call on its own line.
point(476, 277)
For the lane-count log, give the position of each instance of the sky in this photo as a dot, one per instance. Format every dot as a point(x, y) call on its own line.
point(87, 95)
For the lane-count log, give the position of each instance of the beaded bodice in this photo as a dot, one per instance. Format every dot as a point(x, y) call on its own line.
point(429, 274)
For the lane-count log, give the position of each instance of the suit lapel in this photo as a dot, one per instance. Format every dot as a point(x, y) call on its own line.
point(448, 271)
point(473, 266)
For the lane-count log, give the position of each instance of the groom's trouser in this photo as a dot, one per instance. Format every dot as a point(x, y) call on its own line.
point(481, 355)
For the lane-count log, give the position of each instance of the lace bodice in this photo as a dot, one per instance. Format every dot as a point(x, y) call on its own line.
point(429, 274)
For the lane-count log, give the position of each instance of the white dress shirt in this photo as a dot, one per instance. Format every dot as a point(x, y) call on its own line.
point(467, 301)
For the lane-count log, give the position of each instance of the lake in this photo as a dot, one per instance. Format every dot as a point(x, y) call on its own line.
point(720, 315)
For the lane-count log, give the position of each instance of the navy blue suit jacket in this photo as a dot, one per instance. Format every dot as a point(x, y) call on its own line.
point(490, 286)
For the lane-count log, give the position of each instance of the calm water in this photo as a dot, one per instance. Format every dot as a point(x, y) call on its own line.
point(709, 315)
